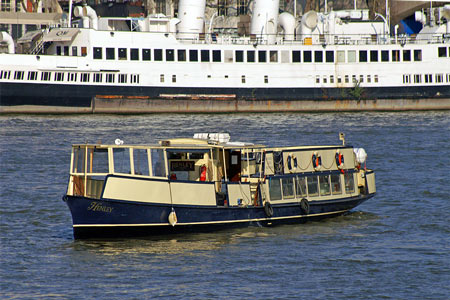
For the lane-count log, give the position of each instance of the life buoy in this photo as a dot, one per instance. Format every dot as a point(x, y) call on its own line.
point(203, 170)
point(292, 162)
point(339, 160)
point(268, 209)
point(304, 206)
point(173, 218)
point(316, 161)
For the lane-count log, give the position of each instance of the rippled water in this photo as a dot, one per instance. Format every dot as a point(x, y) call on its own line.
point(395, 246)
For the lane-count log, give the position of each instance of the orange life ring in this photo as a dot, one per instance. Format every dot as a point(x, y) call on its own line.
point(316, 161)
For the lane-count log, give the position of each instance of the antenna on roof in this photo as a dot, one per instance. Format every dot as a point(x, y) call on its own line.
point(342, 138)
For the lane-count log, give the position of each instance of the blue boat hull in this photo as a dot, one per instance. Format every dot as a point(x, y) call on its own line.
point(114, 218)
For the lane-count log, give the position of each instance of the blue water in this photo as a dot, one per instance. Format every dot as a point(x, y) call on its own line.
point(394, 246)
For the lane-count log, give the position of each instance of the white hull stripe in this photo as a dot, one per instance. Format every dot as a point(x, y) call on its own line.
point(210, 222)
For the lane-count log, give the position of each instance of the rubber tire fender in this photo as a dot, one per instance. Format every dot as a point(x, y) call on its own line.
point(304, 206)
point(268, 209)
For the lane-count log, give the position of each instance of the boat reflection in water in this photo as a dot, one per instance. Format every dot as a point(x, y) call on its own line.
point(208, 183)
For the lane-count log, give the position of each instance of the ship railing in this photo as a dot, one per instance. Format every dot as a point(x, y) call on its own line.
point(321, 39)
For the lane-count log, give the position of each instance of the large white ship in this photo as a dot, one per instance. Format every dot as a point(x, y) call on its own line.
point(339, 60)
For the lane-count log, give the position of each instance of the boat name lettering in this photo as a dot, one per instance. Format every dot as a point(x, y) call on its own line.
point(62, 32)
point(182, 166)
point(95, 206)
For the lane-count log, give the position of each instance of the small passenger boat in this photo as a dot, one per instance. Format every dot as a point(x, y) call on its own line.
point(207, 182)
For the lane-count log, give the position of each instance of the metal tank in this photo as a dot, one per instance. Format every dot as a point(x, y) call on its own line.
point(192, 17)
point(265, 20)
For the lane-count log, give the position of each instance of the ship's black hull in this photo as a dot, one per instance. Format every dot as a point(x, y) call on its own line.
point(112, 218)
point(58, 95)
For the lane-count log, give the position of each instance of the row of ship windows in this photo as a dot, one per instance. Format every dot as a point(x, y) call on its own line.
point(427, 78)
point(310, 186)
point(261, 56)
point(346, 79)
point(72, 76)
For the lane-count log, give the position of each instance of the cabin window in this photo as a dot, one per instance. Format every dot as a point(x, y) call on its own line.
point(317, 78)
point(347, 79)
point(266, 79)
point(66, 50)
point(296, 56)
point(146, 54)
point(5, 74)
point(442, 52)
point(250, 56)
point(329, 56)
point(193, 55)
point(361, 78)
point(134, 78)
point(406, 78)
point(336, 184)
point(354, 79)
point(83, 51)
point(300, 187)
point(351, 56)
point(18, 75)
point(97, 53)
point(324, 183)
point(174, 78)
point(32, 75)
point(97, 77)
point(58, 50)
point(216, 56)
point(375, 78)
point(307, 56)
point(288, 187)
point(78, 160)
point(122, 78)
point(369, 79)
point(181, 55)
point(417, 55)
point(362, 56)
point(59, 76)
point(122, 53)
point(339, 79)
point(161, 78)
point(243, 78)
point(158, 166)
point(395, 55)
point(318, 56)
point(349, 183)
point(45, 76)
point(170, 55)
point(121, 160)
point(204, 55)
point(384, 55)
point(428, 78)
point(262, 56)
point(74, 51)
point(406, 55)
point(110, 53)
point(373, 55)
point(324, 80)
point(331, 79)
point(85, 77)
point(110, 78)
point(239, 56)
point(99, 161)
point(273, 56)
point(313, 189)
point(157, 55)
point(228, 56)
point(140, 159)
point(418, 78)
point(134, 54)
point(274, 188)
point(340, 56)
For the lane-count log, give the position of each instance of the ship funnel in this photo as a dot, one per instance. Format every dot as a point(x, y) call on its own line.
point(287, 22)
point(5, 37)
point(309, 23)
point(192, 18)
point(265, 20)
